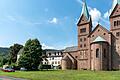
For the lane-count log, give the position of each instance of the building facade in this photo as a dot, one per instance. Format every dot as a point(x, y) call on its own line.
point(98, 49)
point(53, 57)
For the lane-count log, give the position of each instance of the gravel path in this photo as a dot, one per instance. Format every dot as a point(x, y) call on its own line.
point(9, 78)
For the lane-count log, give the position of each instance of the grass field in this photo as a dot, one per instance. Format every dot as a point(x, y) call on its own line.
point(65, 75)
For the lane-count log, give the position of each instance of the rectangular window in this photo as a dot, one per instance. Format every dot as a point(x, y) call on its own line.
point(115, 23)
point(80, 39)
point(81, 45)
point(119, 22)
point(84, 39)
point(117, 34)
point(82, 30)
point(52, 62)
point(58, 62)
point(55, 53)
point(53, 58)
point(81, 54)
point(84, 45)
point(55, 62)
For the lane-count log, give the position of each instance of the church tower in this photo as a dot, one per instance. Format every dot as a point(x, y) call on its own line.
point(84, 29)
point(115, 30)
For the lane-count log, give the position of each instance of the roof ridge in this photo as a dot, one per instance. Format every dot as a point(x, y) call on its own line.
point(99, 25)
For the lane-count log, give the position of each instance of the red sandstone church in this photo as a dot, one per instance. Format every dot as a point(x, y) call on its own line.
point(98, 49)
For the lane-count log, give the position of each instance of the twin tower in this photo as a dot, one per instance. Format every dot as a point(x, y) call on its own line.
point(98, 49)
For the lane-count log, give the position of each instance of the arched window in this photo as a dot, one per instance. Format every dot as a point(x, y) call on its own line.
point(49, 54)
point(55, 53)
point(105, 54)
point(97, 53)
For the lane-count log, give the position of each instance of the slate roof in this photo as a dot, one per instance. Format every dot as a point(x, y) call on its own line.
point(85, 11)
point(99, 39)
point(118, 1)
point(71, 49)
point(52, 50)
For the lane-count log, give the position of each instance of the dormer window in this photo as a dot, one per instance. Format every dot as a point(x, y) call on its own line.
point(83, 30)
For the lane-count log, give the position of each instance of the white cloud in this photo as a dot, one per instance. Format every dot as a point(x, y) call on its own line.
point(11, 18)
point(79, 1)
point(53, 21)
point(95, 14)
point(44, 46)
point(37, 23)
point(106, 15)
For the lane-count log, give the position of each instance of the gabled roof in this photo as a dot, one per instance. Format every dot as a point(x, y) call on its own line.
point(114, 5)
point(99, 39)
point(52, 50)
point(71, 49)
point(68, 55)
point(98, 27)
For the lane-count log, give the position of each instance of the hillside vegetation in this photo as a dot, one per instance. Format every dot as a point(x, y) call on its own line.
point(4, 51)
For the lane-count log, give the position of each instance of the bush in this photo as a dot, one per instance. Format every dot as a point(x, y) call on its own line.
point(44, 67)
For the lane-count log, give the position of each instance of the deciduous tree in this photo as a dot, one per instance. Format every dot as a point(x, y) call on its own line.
point(31, 55)
point(14, 51)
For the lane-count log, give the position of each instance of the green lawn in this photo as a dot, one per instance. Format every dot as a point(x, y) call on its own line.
point(65, 75)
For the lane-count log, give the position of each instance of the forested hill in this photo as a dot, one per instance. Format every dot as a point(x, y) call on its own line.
point(4, 51)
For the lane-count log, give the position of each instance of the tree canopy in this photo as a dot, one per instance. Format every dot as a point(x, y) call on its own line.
point(14, 51)
point(31, 55)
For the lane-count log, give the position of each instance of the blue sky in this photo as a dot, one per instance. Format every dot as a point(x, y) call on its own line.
point(53, 22)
